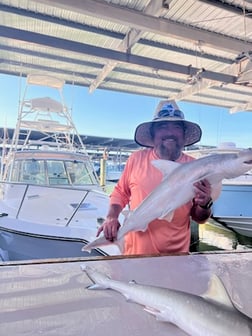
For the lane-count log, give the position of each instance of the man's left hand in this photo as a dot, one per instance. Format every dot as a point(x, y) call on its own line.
point(202, 192)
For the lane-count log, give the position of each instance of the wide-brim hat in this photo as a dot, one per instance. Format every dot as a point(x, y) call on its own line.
point(167, 110)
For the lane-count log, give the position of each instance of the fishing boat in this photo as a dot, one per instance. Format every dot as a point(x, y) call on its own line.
point(114, 171)
point(51, 202)
point(233, 207)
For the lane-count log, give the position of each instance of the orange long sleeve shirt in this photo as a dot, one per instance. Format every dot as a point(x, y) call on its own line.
point(138, 180)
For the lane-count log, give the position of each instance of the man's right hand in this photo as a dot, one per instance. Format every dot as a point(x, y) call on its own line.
point(109, 227)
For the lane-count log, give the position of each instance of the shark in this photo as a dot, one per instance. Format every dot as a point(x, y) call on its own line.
point(176, 189)
point(211, 314)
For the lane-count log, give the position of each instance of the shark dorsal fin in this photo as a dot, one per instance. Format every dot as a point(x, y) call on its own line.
point(217, 292)
point(165, 166)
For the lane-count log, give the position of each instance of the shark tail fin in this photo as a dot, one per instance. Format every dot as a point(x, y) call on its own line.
point(100, 280)
point(102, 241)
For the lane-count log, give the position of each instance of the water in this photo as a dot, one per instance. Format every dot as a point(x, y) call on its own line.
point(214, 236)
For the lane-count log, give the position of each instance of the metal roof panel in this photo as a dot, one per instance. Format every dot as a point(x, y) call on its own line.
point(192, 50)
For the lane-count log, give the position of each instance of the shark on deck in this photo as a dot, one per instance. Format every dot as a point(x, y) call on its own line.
point(212, 314)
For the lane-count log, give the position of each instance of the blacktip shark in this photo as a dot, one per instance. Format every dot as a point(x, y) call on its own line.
point(177, 188)
point(212, 314)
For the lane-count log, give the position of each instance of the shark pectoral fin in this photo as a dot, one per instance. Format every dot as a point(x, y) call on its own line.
point(168, 217)
point(125, 213)
point(127, 297)
point(157, 313)
point(217, 292)
point(151, 310)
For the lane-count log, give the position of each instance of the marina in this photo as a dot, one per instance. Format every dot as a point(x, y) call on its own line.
point(55, 182)
point(51, 200)
point(213, 236)
point(233, 207)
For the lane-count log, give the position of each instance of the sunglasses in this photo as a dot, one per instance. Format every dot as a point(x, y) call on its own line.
point(169, 113)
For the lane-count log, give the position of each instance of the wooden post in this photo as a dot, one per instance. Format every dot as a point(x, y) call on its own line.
point(103, 172)
point(103, 168)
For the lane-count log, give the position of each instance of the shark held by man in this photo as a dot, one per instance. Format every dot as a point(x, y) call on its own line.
point(177, 188)
point(211, 314)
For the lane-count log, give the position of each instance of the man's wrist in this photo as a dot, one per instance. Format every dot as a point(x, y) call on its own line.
point(208, 205)
point(109, 217)
point(200, 214)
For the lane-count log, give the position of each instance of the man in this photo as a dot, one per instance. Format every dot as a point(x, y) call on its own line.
point(165, 136)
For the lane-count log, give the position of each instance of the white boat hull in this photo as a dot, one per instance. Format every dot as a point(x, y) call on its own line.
point(19, 241)
point(233, 208)
point(17, 245)
point(45, 222)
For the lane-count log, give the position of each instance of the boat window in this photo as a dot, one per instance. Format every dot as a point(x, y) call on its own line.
point(80, 172)
point(16, 172)
point(29, 171)
point(57, 172)
point(52, 172)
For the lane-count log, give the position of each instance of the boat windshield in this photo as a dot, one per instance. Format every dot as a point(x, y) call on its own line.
point(52, 172)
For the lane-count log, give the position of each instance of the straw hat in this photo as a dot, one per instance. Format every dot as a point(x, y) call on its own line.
point(167, 110)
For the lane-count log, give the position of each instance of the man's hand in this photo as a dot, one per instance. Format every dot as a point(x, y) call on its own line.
point(109, 227)
point(202, 192)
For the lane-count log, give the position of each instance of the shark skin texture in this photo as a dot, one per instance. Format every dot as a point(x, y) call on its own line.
point(177, 188)
point(212, 314)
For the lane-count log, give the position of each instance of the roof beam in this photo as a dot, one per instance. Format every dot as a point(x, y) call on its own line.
point(63, 44)
point(71, 60)
point(156, 8)
point(46, 55)
point(241, 107)
point(23, 13)
point(201, 84)
point(116, 35)
point(141, 21)
point(194, 89)
point(233, 8)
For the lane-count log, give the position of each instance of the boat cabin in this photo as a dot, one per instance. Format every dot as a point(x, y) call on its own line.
point(50, 168)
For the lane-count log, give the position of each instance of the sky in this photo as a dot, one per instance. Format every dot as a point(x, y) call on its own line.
point(113, 114)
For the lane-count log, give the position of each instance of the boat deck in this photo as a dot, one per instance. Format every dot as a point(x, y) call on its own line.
point(49, 297)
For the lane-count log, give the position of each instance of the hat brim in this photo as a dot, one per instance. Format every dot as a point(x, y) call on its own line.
point(143, 136)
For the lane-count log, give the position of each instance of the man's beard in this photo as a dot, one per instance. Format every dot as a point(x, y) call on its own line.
point(172, 151)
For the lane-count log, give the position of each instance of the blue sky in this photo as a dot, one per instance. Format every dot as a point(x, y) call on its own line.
point(113, 114)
